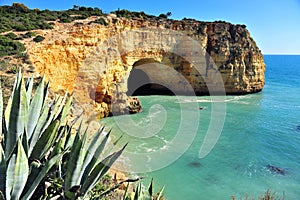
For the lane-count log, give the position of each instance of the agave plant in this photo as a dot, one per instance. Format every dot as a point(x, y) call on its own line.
point(28, 132)
point(83, 168)
point(141, 194)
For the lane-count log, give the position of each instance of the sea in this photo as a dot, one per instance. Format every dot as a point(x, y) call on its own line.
point(252, 142)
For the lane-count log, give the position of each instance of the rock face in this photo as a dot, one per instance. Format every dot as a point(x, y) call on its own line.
point(97, 62)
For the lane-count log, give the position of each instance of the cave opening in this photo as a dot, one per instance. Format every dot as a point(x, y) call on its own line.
point(140, 81)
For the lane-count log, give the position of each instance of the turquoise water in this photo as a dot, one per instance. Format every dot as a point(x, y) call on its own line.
point(259, 129)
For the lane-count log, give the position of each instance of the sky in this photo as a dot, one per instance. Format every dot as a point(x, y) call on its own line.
point(273, 24)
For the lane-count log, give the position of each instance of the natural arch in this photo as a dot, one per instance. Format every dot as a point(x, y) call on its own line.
point(162, 73)
point(136, 87)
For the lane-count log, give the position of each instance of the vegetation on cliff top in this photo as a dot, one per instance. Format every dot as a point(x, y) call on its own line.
point(20, 18)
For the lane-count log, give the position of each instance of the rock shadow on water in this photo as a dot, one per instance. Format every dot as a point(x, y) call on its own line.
point(298, 128)
point(194, 164)
point(276, 170)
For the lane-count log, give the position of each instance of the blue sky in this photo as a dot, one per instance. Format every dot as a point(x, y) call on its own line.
point(274, 24)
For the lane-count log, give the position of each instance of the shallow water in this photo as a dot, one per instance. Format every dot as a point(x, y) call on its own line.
point(259, 129)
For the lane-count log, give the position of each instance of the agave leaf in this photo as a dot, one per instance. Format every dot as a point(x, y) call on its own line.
point(93, 145)
point(38, 129)
point(150, 188)
point(2, 169)
point(126, 191)
point(17, 80)
point(138, 191)
point(35, 108)
point(58, 148)
point(52, 107)
point(70, 138)
point(75, 164)
point(66, 110)
point(33, 182)
point(29, 86)
point(160, 193)
point(46, 141)
point(9, 104)
point(94, 152)
point(18, 117)
point(111, 161)
point(10, 176)
point(46, 89)
point(4, 133)
point(99, 171)
point(64, 136)
point(17, 173)
point(25, 142)
point(60, 106)
point(2, 195)
point(7, 112)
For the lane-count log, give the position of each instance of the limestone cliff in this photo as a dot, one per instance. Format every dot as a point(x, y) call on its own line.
point(96, 61)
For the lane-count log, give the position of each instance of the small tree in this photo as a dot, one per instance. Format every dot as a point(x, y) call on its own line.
point(38, 38)
point(169, 14)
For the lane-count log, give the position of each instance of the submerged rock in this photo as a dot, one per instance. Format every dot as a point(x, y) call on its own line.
point(276, 170)
point(195, 164)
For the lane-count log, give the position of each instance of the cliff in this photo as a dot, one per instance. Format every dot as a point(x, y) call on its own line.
point(103, 64)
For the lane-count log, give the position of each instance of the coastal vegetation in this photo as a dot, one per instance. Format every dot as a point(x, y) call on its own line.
point(20, 18)
point(43, 155)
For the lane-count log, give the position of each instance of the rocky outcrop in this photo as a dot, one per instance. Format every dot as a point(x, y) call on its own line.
point(184, 57)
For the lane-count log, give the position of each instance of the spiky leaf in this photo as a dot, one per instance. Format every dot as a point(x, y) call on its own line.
point(38, 129)
point(60, 106)
point(74, 166)
point(150, 188)
point(17, 117)
point(35, 108)
point(94, 151)
point(138, 192)
point(66, 110)
point(34, 181)
point(29, 86)
point(2, 169)
point(17, 173)
point(46, 141)
point(99, 171)
point(160, 193)
point(53, 110)
point(2, 195)
point(9, 103)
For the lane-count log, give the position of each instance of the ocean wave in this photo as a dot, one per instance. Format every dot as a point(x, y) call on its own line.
point(215, 99)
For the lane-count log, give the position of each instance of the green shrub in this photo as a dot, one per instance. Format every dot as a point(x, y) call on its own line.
point(9, 47)
point(163, 16)
point(99, 21)
point(141, 193)
point(131, 14)
point(11, 36)
point(13, 69)
point(29, 34)
point(20, 18)
point(38, 38)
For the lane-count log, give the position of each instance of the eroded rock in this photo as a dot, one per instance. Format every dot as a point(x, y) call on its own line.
point(95, 61)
